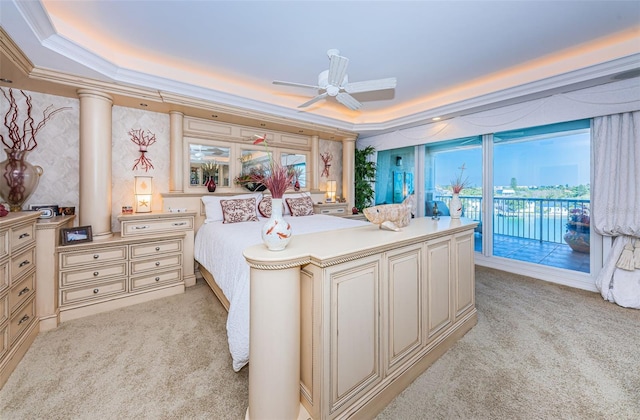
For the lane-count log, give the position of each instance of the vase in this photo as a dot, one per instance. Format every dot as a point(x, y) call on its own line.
point(578, 241)
point(455, 206)
point(276, 233)
point(19, 178)
point(210, 184)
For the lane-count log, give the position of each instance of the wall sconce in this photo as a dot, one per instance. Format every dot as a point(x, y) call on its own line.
point(331, 191)
point(143, 193)
point(398, 160)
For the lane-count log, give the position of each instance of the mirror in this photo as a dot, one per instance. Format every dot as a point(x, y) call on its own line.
point(209, 161)
point(298, 163)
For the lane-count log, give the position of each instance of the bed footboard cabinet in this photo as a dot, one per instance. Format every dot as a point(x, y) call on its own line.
point(372, 319)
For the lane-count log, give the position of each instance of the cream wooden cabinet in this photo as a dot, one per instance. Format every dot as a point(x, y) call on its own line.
point(18, 328)
point(376, 309)
point(146, 261)
point(333, 209)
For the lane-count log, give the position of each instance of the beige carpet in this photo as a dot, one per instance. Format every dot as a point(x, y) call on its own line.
point(539, 351)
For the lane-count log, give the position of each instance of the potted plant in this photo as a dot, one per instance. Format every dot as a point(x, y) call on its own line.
point(364, 176)
point(578, 228)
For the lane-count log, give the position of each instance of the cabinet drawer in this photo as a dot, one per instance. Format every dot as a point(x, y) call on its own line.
point(4, 339)
point(21, 291)
point(4, 275)
point(156, 263)
point(22, 235)
point(146, 227)
point(156, 279)
point(95, 273)
point(72, 259)
point(4, 308)
point(4, 243)
point(93, 292)
point(21, 320)
point(153, 248)
point(23, 262)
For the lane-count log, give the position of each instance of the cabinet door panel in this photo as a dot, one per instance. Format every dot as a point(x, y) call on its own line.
point(405, 304)
point(355, 333)
point(438, 300)
point(465, 274)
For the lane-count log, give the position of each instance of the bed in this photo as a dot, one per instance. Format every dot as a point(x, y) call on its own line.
point(218, 251)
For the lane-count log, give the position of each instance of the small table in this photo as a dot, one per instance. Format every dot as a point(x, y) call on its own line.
point(333, 209)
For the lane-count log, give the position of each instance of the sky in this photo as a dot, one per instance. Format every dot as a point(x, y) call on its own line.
point(553, 161)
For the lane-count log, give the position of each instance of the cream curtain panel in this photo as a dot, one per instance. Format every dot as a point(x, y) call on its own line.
point(616, 204)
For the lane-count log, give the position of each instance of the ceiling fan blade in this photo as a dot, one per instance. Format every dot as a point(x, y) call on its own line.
point(337, 69)
point(371, 85)
point(313, 100)
point(348, 101)
point(278, 82)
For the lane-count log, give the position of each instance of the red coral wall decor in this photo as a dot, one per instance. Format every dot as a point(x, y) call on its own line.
point(143, 140)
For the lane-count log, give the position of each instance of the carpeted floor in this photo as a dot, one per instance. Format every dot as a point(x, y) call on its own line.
point(539, 351)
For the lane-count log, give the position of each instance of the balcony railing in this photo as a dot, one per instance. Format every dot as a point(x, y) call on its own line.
point(540, 219)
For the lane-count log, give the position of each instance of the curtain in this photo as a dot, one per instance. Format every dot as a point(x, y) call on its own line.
point(616, 204)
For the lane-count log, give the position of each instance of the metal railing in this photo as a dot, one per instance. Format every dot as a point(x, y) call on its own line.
point(541, 219)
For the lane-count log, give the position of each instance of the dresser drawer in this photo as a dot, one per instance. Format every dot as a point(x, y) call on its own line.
point(22, 235)
point(23, 262)
point(4, 275)
point(93, 292)
point(4, 339)
point(94, 273)
point(154, 248)
point(169, 225)
point(156, 279)
point(73, 259)
point(159, 263)
point(22, 291)
point(4, 308)
point(4, 243)
point(22, 319)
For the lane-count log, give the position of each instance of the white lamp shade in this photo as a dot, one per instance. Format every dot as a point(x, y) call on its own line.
point(331, 190)
point(143, 185)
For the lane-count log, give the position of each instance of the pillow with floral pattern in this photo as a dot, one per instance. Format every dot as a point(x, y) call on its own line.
point(239, 210)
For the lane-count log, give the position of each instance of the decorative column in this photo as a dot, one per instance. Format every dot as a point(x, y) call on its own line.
point(95, 162)
point(314, 174)
point(348, 171)
point(176, 173)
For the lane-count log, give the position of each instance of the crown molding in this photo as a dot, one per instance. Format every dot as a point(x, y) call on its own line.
point(14, 54)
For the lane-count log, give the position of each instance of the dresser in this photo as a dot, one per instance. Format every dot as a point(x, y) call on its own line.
point(18, 326)
point(333, 209)
point(152, 257)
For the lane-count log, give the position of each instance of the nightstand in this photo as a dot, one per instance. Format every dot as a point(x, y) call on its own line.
point(332, 209)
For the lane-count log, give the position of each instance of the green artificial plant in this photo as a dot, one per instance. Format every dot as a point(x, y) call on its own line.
point(364, 176)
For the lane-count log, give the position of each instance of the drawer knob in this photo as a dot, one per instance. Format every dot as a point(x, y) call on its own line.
point(25, 262)
point(96, 273)
point(96, 291)
point(96, 256)
point(141, 227)
point(23, 319)
point(157, 278)
point(157, 248)
point(157, 263)
point(179, 224)
point(24, 235)
point(23, 291)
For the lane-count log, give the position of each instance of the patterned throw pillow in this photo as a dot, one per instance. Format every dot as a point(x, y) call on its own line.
point(239, 210)
point(264, 207)
point(302, 206)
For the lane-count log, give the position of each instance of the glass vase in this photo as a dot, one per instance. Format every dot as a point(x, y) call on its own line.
point(19, 178)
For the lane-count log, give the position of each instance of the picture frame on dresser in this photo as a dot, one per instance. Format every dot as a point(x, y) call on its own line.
point(76, 235)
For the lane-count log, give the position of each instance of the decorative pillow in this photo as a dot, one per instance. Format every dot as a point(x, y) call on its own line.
point(239, 210)
point(264, 207)
point(213, 210)
point(302, 206)
point(294, 195)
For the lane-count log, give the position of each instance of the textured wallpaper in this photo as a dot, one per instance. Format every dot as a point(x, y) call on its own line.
point(335, 171)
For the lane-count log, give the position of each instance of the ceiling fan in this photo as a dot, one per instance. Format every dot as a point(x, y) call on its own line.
point(335, 82)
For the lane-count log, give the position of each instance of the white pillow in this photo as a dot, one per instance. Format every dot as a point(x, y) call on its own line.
point(213, 208)
point(295, 195)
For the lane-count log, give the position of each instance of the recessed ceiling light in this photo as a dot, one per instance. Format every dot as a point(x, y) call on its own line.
point(436, 118)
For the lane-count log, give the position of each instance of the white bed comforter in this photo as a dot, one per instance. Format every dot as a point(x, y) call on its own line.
point(218, 248)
